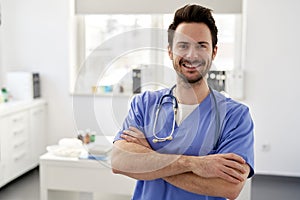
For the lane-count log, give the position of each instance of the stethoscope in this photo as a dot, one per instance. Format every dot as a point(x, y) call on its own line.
point(175, 108)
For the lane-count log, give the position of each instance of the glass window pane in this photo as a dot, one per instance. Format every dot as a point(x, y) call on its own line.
point(100, 28)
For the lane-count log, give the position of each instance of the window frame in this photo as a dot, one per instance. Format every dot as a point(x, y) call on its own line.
point(81, 11)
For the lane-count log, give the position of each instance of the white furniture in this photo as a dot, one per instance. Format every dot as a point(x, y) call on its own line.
point(77, 175)
point(22, 137)
point(246, 192)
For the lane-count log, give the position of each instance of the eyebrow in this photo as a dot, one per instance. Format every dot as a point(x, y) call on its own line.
point(203, 42)
point(183, 42)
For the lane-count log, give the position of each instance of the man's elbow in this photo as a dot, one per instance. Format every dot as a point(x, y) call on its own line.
point(116, 171)
point(233, 195)
point(234, 191)
point(115, 162)
point(119, 159)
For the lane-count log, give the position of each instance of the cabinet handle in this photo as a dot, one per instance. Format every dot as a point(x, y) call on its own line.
point(17, 119)
point(16, 146)
point(17, 132)
point(19, 157)
point(37, 112)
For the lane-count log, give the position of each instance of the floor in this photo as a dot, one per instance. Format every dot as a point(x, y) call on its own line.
point(275, 187)
point(25, 187)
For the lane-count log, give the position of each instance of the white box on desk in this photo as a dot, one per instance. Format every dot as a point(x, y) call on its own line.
point(23, 85)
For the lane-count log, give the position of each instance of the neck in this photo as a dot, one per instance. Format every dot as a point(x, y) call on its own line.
point(191, 93)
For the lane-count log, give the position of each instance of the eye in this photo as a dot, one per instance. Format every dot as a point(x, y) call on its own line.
point(182, 46)
point(201, 46)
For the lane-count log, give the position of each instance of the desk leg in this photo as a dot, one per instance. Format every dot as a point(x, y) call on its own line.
point(43, 184)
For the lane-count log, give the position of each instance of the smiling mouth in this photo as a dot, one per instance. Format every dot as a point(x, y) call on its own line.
point(191, 64)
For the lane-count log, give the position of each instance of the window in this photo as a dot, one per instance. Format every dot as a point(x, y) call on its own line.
point(104, 65)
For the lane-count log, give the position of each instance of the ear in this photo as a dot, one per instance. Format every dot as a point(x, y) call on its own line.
point(214, 53)
point(170, 52)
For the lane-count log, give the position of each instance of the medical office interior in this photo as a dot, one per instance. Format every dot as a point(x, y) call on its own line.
point(62, 78)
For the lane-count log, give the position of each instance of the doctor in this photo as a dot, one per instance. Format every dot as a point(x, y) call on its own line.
point(203, 149)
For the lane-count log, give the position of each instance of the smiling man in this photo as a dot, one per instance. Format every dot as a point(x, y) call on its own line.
point(194, 143)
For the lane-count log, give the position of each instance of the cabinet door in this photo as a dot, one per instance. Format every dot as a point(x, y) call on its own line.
point(37, 132)
point(18, 144)
point(3, 160)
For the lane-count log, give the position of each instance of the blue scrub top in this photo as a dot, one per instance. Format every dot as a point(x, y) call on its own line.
point(195, 136)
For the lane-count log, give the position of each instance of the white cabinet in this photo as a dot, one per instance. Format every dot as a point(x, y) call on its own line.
point(2, 166)
point(37, 132)
point(17, 144)
point(22, 137)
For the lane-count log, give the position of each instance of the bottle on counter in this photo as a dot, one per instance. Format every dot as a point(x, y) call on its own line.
point(4, 95)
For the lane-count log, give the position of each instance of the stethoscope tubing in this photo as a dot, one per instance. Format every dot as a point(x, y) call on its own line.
point(175, 107)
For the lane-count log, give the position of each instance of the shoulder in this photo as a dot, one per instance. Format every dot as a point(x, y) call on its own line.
point(150, 96)
point(229, 102)
point(230, 106)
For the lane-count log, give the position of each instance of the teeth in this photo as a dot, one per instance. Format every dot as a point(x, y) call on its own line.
point(192, 64)
point(187, 65)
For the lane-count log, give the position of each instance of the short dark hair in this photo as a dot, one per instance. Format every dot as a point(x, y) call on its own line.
point(194, 13)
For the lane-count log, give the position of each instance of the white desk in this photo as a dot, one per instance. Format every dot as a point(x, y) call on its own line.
point(72, 174)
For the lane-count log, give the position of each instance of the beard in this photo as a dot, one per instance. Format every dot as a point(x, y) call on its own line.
point(202, 67)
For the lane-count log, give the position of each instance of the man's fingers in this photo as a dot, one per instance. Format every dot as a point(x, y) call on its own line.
point(131, 133)
point(134, 132)
point(127, 137)
point(234, 157)
point(137, 132)
point(233, 174)
point(229, 178)
point(235, 165)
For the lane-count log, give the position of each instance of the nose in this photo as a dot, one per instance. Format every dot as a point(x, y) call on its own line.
point(192, 53)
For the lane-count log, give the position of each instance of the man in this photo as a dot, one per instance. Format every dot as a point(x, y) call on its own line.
point(208, 152)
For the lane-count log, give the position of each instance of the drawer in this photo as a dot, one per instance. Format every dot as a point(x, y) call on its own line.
point(19, 160)
point(20, 156)
point(19, 145)
point(17, 127)
point(18, 119)
point(19, 132)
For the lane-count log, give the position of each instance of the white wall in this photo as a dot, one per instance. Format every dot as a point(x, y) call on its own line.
point(1, 51)
point(271, 88)
point(35, 36)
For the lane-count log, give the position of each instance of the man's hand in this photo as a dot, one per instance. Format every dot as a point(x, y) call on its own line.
point(226, 166)
point(229, 167)
point(136, 136)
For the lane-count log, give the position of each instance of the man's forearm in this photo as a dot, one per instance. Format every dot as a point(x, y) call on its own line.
point(142, 163)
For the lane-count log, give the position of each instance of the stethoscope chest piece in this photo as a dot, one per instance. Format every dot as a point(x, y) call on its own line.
point(156, 140)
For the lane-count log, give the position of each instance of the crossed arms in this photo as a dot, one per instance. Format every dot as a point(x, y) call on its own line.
point(214, 175)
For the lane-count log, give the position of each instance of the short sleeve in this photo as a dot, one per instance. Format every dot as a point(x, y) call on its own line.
point(237, 135)
point(134, 116)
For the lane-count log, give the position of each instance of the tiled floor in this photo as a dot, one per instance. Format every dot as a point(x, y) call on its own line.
point(25, 187)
